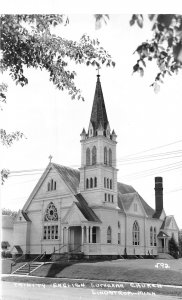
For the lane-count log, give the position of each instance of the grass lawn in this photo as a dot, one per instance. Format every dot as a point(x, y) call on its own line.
point(140, 270)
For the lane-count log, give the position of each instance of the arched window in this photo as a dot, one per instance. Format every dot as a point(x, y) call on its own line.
point(119, 234)
point(87, 183)
point(151, 236)
point(112, 198)
point(95, 182)
point(155, 237)
point(51, 213)
point(94, 155)
point(109, 197)
point(108, 183)
point(91, 183)
point(110, 157)
point(105, 155)
point(109, 235)
point(51, 184)
point(88, 156)
point(136, 234)
point(105, 182)
point(111, 184)
point(105, 197)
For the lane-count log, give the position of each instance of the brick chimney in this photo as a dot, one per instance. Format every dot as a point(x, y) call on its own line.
point(158, 195)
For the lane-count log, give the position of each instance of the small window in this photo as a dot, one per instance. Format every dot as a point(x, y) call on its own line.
point(54, 185)
point(105, 196)
point(109, 197)
point(119, 238)
point(105, 155)
point(48, 186)
point(105, 182)
point(110, 157)
point(87, 183)
point(51, 186)
point(95, 182)
point(94, 155)
point(112, 198)
point(88, 156)
point(109, 235)
point(111, 184)
point(91, 183)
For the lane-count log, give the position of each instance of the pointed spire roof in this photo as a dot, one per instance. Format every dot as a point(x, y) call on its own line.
point(99, 114)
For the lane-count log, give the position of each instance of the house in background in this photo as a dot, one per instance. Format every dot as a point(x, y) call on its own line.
point(7, 232)
point(87, 210)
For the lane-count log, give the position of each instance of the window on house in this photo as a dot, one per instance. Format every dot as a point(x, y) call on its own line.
point(88, 156)
point(105, 182)
point(110, 157)
point(155, 237)
point(87, 183)
point(95, 182)
point(112, 198)
point(51, 213)
point(105, 155)
point(111, 184)
point(109, 235)
point(50, 232)
point(109, 197)
point(94, 155)
point(119, 238)
point(105, 195)
point(136, 234)
point(151, 236)
point(51, 186)
point(91, 183)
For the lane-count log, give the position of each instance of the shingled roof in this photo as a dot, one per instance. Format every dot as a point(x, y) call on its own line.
point(126, 195)
point(99, 114)
point(70, 176)
point(166, 222)
point(85, 209)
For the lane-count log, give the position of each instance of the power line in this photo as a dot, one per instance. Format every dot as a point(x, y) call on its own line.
point(151, 149)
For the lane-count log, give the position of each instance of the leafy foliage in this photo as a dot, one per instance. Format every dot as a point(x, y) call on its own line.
point(173, 247)
point(26, 40)
point(7, 139)
point(9, 212)
point(4, 175)
point(165, 47)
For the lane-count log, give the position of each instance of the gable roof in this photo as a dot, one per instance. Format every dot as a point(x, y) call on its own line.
point(167, 221)
point(88, 213)
point(162, 233)
point(70, 176)
point(126, 195)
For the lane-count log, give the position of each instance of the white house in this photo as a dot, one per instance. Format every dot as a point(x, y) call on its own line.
point(87, 210)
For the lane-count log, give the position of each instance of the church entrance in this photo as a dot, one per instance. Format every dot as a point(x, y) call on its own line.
point(75, 237)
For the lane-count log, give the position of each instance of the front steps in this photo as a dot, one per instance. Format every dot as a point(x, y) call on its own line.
point(27, 268)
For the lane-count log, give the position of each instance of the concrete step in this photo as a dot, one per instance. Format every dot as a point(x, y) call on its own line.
point(26, 269)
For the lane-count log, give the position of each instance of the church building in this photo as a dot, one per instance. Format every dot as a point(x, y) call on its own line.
point(87, 210)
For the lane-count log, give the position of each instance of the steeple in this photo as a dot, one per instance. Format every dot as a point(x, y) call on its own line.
point(99, 115)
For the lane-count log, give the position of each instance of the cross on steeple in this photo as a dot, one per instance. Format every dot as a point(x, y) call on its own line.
point(50, 158)
point(98, 68)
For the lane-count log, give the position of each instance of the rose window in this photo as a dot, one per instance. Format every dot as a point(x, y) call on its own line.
point(51, 213)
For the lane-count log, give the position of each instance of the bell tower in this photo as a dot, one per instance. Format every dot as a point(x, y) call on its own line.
point(98, 173)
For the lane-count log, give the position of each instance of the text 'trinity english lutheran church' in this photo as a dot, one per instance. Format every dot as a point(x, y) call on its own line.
point(87, 210)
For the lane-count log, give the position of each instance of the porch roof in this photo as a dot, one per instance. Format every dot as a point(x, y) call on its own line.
point(88, 213)
point(162, 234)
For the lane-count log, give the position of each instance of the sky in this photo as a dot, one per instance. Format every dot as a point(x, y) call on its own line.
point(142, 119)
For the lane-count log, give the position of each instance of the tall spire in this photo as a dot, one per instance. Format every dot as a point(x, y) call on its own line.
point(99, 114)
